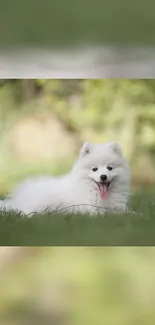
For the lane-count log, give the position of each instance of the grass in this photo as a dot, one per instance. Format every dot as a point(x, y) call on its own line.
point(65, 230)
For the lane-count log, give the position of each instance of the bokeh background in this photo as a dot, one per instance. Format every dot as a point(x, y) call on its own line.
point(44, 122)
point(77, 39)
point(53, 24)
point(77, 286)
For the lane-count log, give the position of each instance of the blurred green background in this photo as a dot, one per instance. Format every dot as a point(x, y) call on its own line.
point(77, 286)
point(60, 24)
point(44, 122)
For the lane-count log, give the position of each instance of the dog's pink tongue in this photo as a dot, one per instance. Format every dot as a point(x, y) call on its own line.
point(103, 191)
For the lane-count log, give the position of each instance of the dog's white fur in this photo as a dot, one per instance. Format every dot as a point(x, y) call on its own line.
point(77, 191)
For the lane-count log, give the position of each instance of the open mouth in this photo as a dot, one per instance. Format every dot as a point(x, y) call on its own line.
point(103, 188)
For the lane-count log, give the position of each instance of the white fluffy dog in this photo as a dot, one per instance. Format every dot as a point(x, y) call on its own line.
point(98, 182)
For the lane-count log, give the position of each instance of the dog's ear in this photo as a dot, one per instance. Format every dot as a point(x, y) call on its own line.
point(115, 147)
point(86, 149)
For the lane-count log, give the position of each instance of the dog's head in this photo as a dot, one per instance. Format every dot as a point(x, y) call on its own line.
point(104, 165)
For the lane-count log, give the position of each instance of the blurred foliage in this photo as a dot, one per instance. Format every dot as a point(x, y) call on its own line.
point(77, 286)
point(95, 110)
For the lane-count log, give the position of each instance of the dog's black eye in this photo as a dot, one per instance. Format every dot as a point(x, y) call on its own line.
point(94, 169)
point(109, 167)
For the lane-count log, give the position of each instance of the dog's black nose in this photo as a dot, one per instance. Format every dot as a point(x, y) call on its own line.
point(103, 178)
